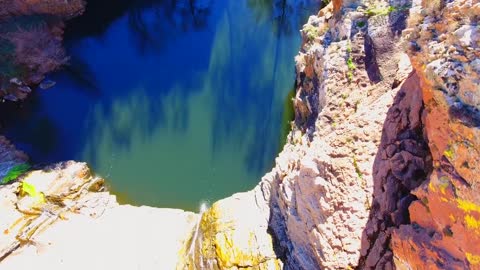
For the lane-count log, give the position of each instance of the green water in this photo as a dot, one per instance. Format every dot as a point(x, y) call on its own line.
point(173, 104)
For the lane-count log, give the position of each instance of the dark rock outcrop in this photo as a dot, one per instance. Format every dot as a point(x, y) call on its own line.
point(402, 163)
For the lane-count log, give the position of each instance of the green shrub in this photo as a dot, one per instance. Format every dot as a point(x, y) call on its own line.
point(361, 24)
point(350, 76)
point(357, 168)
point(311, 31)
point(15, 172)
point(374, 11)
point(350, 64)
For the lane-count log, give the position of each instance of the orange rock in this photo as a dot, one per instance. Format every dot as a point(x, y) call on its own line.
point(445, 222)
point(337, 5)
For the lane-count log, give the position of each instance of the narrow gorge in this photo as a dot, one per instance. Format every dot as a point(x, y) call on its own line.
point(379, 170)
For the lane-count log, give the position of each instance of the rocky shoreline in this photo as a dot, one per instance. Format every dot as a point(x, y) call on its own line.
point(31, 34)
point(379, 172)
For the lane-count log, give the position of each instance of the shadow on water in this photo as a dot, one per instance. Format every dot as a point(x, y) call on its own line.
point(175, 101)
point(80, 73)
point(182, 15)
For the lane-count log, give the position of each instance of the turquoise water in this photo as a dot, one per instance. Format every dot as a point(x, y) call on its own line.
point(173, 104)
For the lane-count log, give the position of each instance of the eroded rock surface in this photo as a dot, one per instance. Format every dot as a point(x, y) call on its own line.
point(353, 65)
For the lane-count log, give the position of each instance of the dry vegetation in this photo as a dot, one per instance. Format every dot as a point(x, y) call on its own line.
point(38, 49)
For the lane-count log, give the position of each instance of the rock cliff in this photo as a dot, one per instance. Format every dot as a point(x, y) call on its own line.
point(379, 172)
point(31, 42)
point(417, 178)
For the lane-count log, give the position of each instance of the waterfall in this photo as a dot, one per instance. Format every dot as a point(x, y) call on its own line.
point(191, 251)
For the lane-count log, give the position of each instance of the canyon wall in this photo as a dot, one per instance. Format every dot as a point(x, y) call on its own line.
point(379, 172)
point(380, 169)
point(407, 197)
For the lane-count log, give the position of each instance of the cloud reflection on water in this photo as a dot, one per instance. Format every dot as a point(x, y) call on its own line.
point(177, 106)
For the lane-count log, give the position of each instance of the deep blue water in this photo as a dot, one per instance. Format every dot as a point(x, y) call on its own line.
point(173, 103)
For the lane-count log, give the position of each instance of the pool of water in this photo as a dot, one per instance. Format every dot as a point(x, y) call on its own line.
point(173, 103)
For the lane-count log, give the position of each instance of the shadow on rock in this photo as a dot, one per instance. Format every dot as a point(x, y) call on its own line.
point(402, 163)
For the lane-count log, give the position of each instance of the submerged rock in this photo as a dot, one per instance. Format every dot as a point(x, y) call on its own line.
point(47, 84)
point(16, 81)
point(10, 97)
point(25, 89)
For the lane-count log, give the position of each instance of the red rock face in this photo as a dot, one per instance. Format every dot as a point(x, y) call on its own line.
point(445, 228)
point(445, 222)
point(426, 202)
point(425, 212)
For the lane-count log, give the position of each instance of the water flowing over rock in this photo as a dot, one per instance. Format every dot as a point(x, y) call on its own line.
point(232, 234)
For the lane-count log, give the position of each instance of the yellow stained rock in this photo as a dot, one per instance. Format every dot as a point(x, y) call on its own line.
point(468, 206)
point(232, 234)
